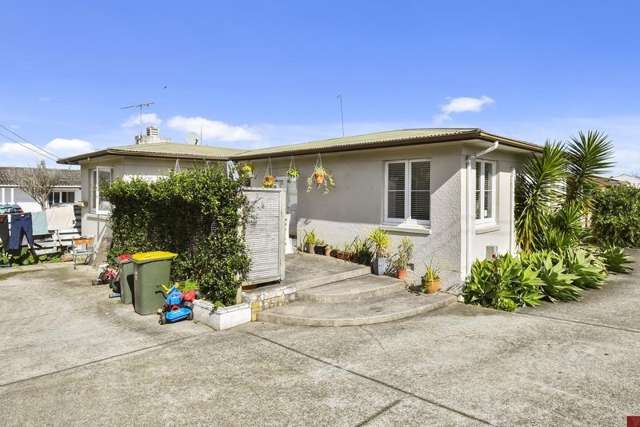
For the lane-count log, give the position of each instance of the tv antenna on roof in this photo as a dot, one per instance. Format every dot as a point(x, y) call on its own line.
point(140, 107)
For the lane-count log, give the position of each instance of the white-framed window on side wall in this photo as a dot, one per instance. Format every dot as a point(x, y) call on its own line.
point(61, 197)
point(407, 192)
point(485, 192)
point(98, 177)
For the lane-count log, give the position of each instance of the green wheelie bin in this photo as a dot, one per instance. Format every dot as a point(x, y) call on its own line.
point(125, 265)
point(151, 269)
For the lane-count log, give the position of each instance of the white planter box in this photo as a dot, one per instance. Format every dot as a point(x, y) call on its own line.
point(222, 318)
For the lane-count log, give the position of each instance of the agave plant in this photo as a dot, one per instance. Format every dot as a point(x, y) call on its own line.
point(503, 283)
point(538, 192)
point(615, 260)
point(590, 269)
point(558, 284)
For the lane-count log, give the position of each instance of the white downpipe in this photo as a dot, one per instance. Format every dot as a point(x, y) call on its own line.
point(512, 199)
point(470, 161)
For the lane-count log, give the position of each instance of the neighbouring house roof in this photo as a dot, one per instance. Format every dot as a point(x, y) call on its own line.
point(158, 150)
point(385, 139)
point(348, 143)
point(68, 177)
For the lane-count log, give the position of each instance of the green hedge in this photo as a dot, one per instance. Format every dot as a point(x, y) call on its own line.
point(199, 214)
point(616, 216)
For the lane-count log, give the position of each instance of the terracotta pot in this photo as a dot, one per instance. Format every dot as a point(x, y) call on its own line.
point(339, 254)
point(402, 274)
point(319, 178)
point(308, 249)
point(432, 287)
point(327, 251)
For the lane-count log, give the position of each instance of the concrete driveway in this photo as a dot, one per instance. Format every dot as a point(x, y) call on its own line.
point(72, 356)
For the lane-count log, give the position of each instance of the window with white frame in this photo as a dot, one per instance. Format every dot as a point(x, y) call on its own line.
point(407, 192)
point(485, 191)
point(60, 197)
point(98, 178)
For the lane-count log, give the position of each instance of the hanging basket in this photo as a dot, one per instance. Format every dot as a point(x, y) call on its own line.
point(320, 178)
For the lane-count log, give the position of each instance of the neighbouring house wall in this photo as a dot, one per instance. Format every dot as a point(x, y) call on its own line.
point(10, 194)
point(355, 206)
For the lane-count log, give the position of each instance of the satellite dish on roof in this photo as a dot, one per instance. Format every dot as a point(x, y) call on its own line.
point(193, 138)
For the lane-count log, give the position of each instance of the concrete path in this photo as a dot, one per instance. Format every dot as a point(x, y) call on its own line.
point(72, 357)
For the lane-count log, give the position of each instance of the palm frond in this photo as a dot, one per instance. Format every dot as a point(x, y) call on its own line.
point(588, 155)
point(538, 191)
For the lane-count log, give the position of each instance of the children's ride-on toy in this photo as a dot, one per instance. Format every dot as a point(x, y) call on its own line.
point(178, 306)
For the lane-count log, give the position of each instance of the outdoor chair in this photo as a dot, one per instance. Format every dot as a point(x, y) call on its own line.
point(82, 248)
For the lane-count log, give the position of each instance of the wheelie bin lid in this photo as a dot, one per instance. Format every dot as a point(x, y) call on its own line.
point(123, 258)
point(142, 257)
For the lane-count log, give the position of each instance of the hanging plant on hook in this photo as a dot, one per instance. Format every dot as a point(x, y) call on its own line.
point(292, 173)
point(269, 180)
point(321, 178)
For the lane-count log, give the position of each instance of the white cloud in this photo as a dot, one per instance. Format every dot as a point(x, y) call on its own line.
point(213, 130)
point(63, 147)
point(147, 119)
point(463, 104)
point(12, 154)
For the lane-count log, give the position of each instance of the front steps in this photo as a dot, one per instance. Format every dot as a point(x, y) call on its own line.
point(361, 301)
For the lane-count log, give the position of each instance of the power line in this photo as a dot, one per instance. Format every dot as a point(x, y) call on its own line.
point(30, 147)
point(49, 154)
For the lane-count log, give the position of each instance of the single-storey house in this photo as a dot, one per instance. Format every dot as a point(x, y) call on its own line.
point(65, 193)
point(450, 190)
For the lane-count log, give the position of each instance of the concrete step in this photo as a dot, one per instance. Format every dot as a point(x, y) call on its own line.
point(352, 290)
point(398, 305)
point(327, 270)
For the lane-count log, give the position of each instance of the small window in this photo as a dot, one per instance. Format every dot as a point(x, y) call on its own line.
point(485, 191)
point(99, 177)
point(408, 191)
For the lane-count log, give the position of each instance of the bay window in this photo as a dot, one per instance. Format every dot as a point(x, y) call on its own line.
point(407, 192)
point(485, 191)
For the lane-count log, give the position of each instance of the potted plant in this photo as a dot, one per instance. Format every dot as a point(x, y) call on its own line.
point(309, 241)
point(380, 240)
point(327, 250)
point(431, 279)
point(319, 247)
point(293, 173)
point(247, 170)
point(401, 261)
point(320, 178)
point(269, 181)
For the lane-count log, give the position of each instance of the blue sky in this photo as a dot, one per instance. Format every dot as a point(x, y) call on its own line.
point(264, 73)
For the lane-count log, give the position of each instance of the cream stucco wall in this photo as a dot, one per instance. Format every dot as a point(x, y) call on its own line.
point(356, 205)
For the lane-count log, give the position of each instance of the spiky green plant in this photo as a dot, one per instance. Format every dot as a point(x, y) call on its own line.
point(588, 155)
point(538, 192)
point(558, 284)
point(589, 268)
point(503, 283)
point(615, 260)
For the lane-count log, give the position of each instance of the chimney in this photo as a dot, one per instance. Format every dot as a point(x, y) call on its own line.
point(151, 136)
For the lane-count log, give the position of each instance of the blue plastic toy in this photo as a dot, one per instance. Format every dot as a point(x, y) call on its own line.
point(175, 309)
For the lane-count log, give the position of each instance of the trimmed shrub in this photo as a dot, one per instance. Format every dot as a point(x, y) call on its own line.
point(616, 216)
point(197, 213)
point(503, 283)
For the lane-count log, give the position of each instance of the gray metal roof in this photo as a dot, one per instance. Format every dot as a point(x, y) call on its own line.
point(348, 143)
point(164, 149)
